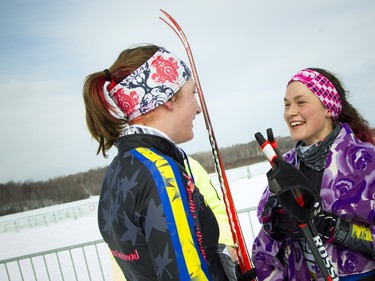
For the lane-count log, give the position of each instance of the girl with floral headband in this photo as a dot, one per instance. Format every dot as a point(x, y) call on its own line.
point(335, 150)
point(155, 221)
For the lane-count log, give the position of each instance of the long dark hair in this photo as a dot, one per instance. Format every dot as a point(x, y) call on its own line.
point(349, 114)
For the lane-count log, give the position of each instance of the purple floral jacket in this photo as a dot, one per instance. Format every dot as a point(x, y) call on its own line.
point(348, 190)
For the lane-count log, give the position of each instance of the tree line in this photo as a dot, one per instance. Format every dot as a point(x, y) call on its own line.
point(23, 196)
point(240, 154)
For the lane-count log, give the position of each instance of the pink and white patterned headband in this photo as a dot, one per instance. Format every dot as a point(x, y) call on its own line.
point(322, 88)
point(150, 85)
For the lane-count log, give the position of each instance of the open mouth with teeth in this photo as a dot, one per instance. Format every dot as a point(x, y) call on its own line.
point(296, 123)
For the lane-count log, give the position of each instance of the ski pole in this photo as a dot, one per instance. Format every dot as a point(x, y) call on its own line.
point(242, 253)
point(270, 137)
point(308, 229)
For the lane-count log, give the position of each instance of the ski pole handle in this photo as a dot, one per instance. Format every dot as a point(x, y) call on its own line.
point(269, 148)
point(273, 143)
point(266, 148)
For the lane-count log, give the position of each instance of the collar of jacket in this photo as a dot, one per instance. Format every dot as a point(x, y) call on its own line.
point(158, 143)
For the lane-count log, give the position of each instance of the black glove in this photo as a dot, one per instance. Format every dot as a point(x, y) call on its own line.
point(333, 229)
point(325, 225)
point(277, 222)
point(293, 190)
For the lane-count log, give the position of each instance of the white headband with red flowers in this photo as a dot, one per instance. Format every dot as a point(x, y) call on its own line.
point(151, 85)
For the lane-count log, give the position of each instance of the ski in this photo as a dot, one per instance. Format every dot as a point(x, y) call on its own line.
point(246, 267)
point(307, 227)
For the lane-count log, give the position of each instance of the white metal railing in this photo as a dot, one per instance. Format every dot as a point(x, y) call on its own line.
point(48, 217)
point(88, 261)
point(91, 261)
point(66, 212)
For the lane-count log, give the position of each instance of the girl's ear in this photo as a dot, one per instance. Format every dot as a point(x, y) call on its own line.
point(169, 105)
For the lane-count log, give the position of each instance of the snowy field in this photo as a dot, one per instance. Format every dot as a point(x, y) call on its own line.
point(75, 223)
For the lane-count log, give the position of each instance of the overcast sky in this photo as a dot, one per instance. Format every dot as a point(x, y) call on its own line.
point(245, 52)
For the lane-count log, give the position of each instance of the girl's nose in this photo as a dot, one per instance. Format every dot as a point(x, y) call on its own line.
point(199, 110)
point(291, 110)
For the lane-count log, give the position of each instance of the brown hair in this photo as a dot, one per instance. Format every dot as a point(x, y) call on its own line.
point(103, 120)
point(349, 114)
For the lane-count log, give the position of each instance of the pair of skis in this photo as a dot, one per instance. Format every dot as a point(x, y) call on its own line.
point(279, 166)
point(246, 268)
point(294, 192)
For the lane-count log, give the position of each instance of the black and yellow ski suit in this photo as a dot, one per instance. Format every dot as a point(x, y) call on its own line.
point(153, 218)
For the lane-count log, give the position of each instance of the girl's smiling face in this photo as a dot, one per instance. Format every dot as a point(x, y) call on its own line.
point(307, 118)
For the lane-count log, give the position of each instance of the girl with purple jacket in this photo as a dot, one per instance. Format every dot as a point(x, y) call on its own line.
point(335, 150)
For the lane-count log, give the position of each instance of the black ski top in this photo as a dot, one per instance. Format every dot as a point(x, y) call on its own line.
point(154, 220)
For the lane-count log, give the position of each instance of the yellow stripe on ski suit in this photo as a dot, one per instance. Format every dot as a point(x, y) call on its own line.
point(189, 250)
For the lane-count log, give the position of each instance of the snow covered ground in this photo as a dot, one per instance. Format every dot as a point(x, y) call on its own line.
point(75, 223)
